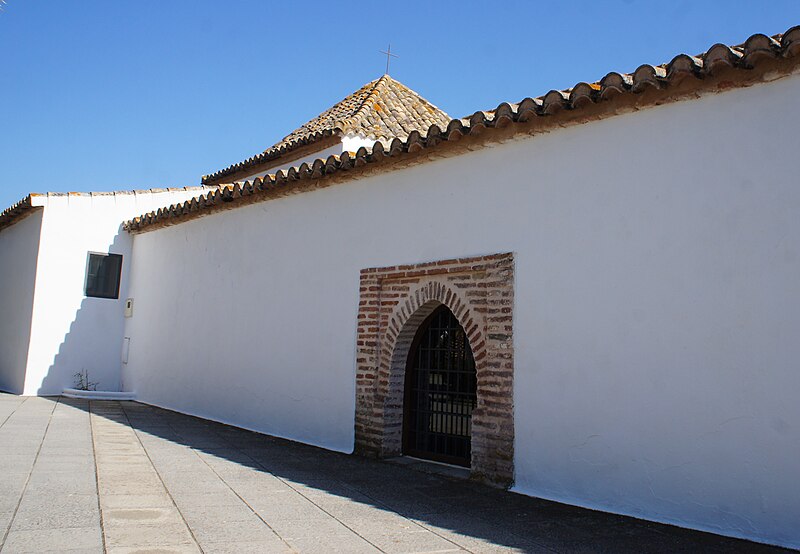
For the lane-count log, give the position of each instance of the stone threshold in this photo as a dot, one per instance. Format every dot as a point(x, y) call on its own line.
point(98, 394)
point(429, 466)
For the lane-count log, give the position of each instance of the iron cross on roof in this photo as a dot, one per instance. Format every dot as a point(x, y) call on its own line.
point(389, 56)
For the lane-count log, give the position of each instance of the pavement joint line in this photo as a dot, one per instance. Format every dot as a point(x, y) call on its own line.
point(483, 519)
point(231, 488)
point(259, 464)
point(163, 484)
point(28, 478)
point(374, 500)
point(96, 476)
point(245, 502)
point(24, 399)
point(386, 506)
point(305, 480)
point(321, 508)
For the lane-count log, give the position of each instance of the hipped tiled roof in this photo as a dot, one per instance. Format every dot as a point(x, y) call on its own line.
point(382, 110)
point(23, 208)
point(720, 68)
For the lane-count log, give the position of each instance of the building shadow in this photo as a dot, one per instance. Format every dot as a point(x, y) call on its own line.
point(458, 509)
point(93, 342)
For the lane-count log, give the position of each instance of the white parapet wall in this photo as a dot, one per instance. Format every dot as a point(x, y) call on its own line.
point(19, 249)
point(656, 317)
point(64, 331)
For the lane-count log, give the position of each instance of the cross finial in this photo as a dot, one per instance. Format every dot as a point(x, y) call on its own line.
point(389, 56)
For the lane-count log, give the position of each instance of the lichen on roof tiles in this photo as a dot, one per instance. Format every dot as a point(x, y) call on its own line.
point(382, 109)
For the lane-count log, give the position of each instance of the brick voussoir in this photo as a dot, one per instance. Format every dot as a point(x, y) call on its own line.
point(408, 293)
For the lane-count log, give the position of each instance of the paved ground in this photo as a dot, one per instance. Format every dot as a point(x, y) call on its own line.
point(123, 477)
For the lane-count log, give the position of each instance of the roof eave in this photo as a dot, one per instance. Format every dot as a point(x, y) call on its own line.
point(262, 162)
point(22, 209)
point(759, 59)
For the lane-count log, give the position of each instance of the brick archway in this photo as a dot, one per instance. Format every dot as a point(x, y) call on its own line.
point(394, 302)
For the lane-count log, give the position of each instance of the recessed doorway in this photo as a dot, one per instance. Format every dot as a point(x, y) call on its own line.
point(440, 391)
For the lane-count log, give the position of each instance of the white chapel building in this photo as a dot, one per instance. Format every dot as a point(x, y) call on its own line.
point(591, 296)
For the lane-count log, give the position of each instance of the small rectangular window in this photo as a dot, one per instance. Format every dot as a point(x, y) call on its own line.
point(102, 275)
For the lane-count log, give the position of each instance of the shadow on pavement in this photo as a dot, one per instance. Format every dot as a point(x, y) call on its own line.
point(444, 505)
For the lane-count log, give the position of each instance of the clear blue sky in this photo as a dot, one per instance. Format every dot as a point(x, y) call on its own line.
point(105, 95)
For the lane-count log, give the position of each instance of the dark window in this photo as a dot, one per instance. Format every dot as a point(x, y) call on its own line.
point(102, 275)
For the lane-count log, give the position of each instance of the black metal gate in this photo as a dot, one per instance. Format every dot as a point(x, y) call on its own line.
point(440, 391)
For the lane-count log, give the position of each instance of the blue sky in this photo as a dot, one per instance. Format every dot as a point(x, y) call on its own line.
point(105, 95)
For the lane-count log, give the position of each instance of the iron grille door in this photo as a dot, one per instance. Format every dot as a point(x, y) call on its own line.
point(440, 393)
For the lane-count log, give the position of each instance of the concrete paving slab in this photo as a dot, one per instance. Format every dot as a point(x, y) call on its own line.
point(288, 507)
point(387, 524)
point(52, 488)
point(132, 501)
point(52, 518)
point(5, 521)
point(111, 473)
point(309, 528)
point(128, 460)
point(157, 549)
point(8, 503)
point(342, 503)
point(128, 488)
point(230, 512)
point(121, 517)
point(352, 544)
point(186, 486)
point(211, 531)
point(173, 483)
point(355, 512)
point(412, 543)
point(48, 478)
point(72, 464)
point(482, 537)
point(148, 535)
point(12, 485)
point(11, 463)
point(54, 540)
point(58, 502)
point(199, 499)
point(264, 547)
point(266, 487)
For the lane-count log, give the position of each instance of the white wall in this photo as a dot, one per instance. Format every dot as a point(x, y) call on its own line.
point(352, 142)
point(71, 332)
point(656, 318)
point(19, 246)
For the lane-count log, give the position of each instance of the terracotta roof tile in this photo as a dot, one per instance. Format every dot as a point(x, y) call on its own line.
point(17, 211)
point(554, 108)
point(380, 110)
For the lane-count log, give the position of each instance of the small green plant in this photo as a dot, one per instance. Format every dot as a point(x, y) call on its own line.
point(82, 381)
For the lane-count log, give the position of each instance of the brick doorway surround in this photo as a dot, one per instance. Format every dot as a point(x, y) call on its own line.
point(394, 301)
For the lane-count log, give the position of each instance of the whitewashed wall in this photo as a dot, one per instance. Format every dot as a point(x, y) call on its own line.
point(69, 331)
point(19, 246)
point(351, 142)
point(656, 318)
